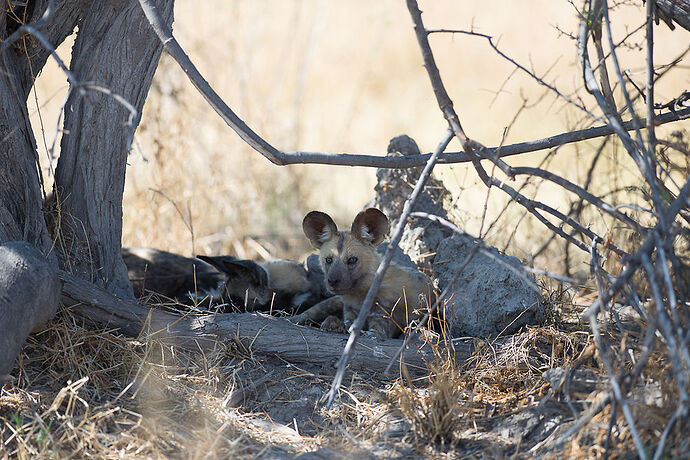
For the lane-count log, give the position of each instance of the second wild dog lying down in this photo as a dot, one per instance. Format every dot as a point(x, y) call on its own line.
point(275, 284)
point(244, 284)
point(349, 261)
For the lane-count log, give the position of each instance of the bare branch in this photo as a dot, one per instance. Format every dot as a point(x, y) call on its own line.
point(649, 89)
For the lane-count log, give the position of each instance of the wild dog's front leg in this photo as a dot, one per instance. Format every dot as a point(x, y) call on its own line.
point(333, 324)
point(320, 311)
point(350, 313)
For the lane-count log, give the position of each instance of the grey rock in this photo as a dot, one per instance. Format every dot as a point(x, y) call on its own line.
point(488, 297)
point(392, 190)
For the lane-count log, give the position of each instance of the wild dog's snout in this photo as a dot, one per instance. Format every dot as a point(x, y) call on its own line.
point(335, 280)
point(337, 276)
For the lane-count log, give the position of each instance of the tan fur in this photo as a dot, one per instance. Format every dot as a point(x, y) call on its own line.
point(349, 261)
point(286, 275)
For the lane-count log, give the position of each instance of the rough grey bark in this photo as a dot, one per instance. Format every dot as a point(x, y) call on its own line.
point(116, 49)
point(29, 294)
point(30, 55)
point(677, 11)
point(20, 194)
point(393, 186)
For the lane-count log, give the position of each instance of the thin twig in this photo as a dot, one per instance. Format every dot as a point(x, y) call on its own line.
point(541, 81)
point(638, 152)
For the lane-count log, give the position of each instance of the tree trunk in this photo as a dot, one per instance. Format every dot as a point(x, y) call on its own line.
point(20, 194)
point(29, 294)
point(116, 49)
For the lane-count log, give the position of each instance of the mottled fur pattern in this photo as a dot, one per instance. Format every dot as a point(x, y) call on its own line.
point(221, 280)
point(275, 284)
point(349, 261)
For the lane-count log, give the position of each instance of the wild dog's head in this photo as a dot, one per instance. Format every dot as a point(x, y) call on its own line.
point(346, 257)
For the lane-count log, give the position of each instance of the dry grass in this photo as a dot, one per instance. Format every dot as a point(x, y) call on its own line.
point(82, 392)
point(436, 412)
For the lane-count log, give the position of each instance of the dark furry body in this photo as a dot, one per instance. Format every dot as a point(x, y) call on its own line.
point(222, 281)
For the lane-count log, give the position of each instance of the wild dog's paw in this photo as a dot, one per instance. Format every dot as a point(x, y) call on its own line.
point(333, 324)
point(383, 327)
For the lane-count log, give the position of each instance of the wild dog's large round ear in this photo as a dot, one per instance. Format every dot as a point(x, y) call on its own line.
point(319, 228)
point(371, 226)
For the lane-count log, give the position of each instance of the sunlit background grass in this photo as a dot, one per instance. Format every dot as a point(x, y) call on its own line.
point(346, 77)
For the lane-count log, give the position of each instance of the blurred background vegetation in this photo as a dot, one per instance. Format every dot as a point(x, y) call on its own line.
point(317, 75)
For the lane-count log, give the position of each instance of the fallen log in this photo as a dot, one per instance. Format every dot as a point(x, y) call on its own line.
point(268, 335)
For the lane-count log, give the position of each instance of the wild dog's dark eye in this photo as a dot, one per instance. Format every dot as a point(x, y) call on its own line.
point(329, 260)
point(352, 260)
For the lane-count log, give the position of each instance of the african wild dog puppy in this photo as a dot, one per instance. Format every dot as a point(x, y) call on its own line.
point(349, 261)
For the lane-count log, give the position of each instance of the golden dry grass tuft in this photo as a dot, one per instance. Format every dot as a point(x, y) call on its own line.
point(436, 412)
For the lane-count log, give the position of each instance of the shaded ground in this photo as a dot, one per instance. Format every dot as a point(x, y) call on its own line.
point(82, 392)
